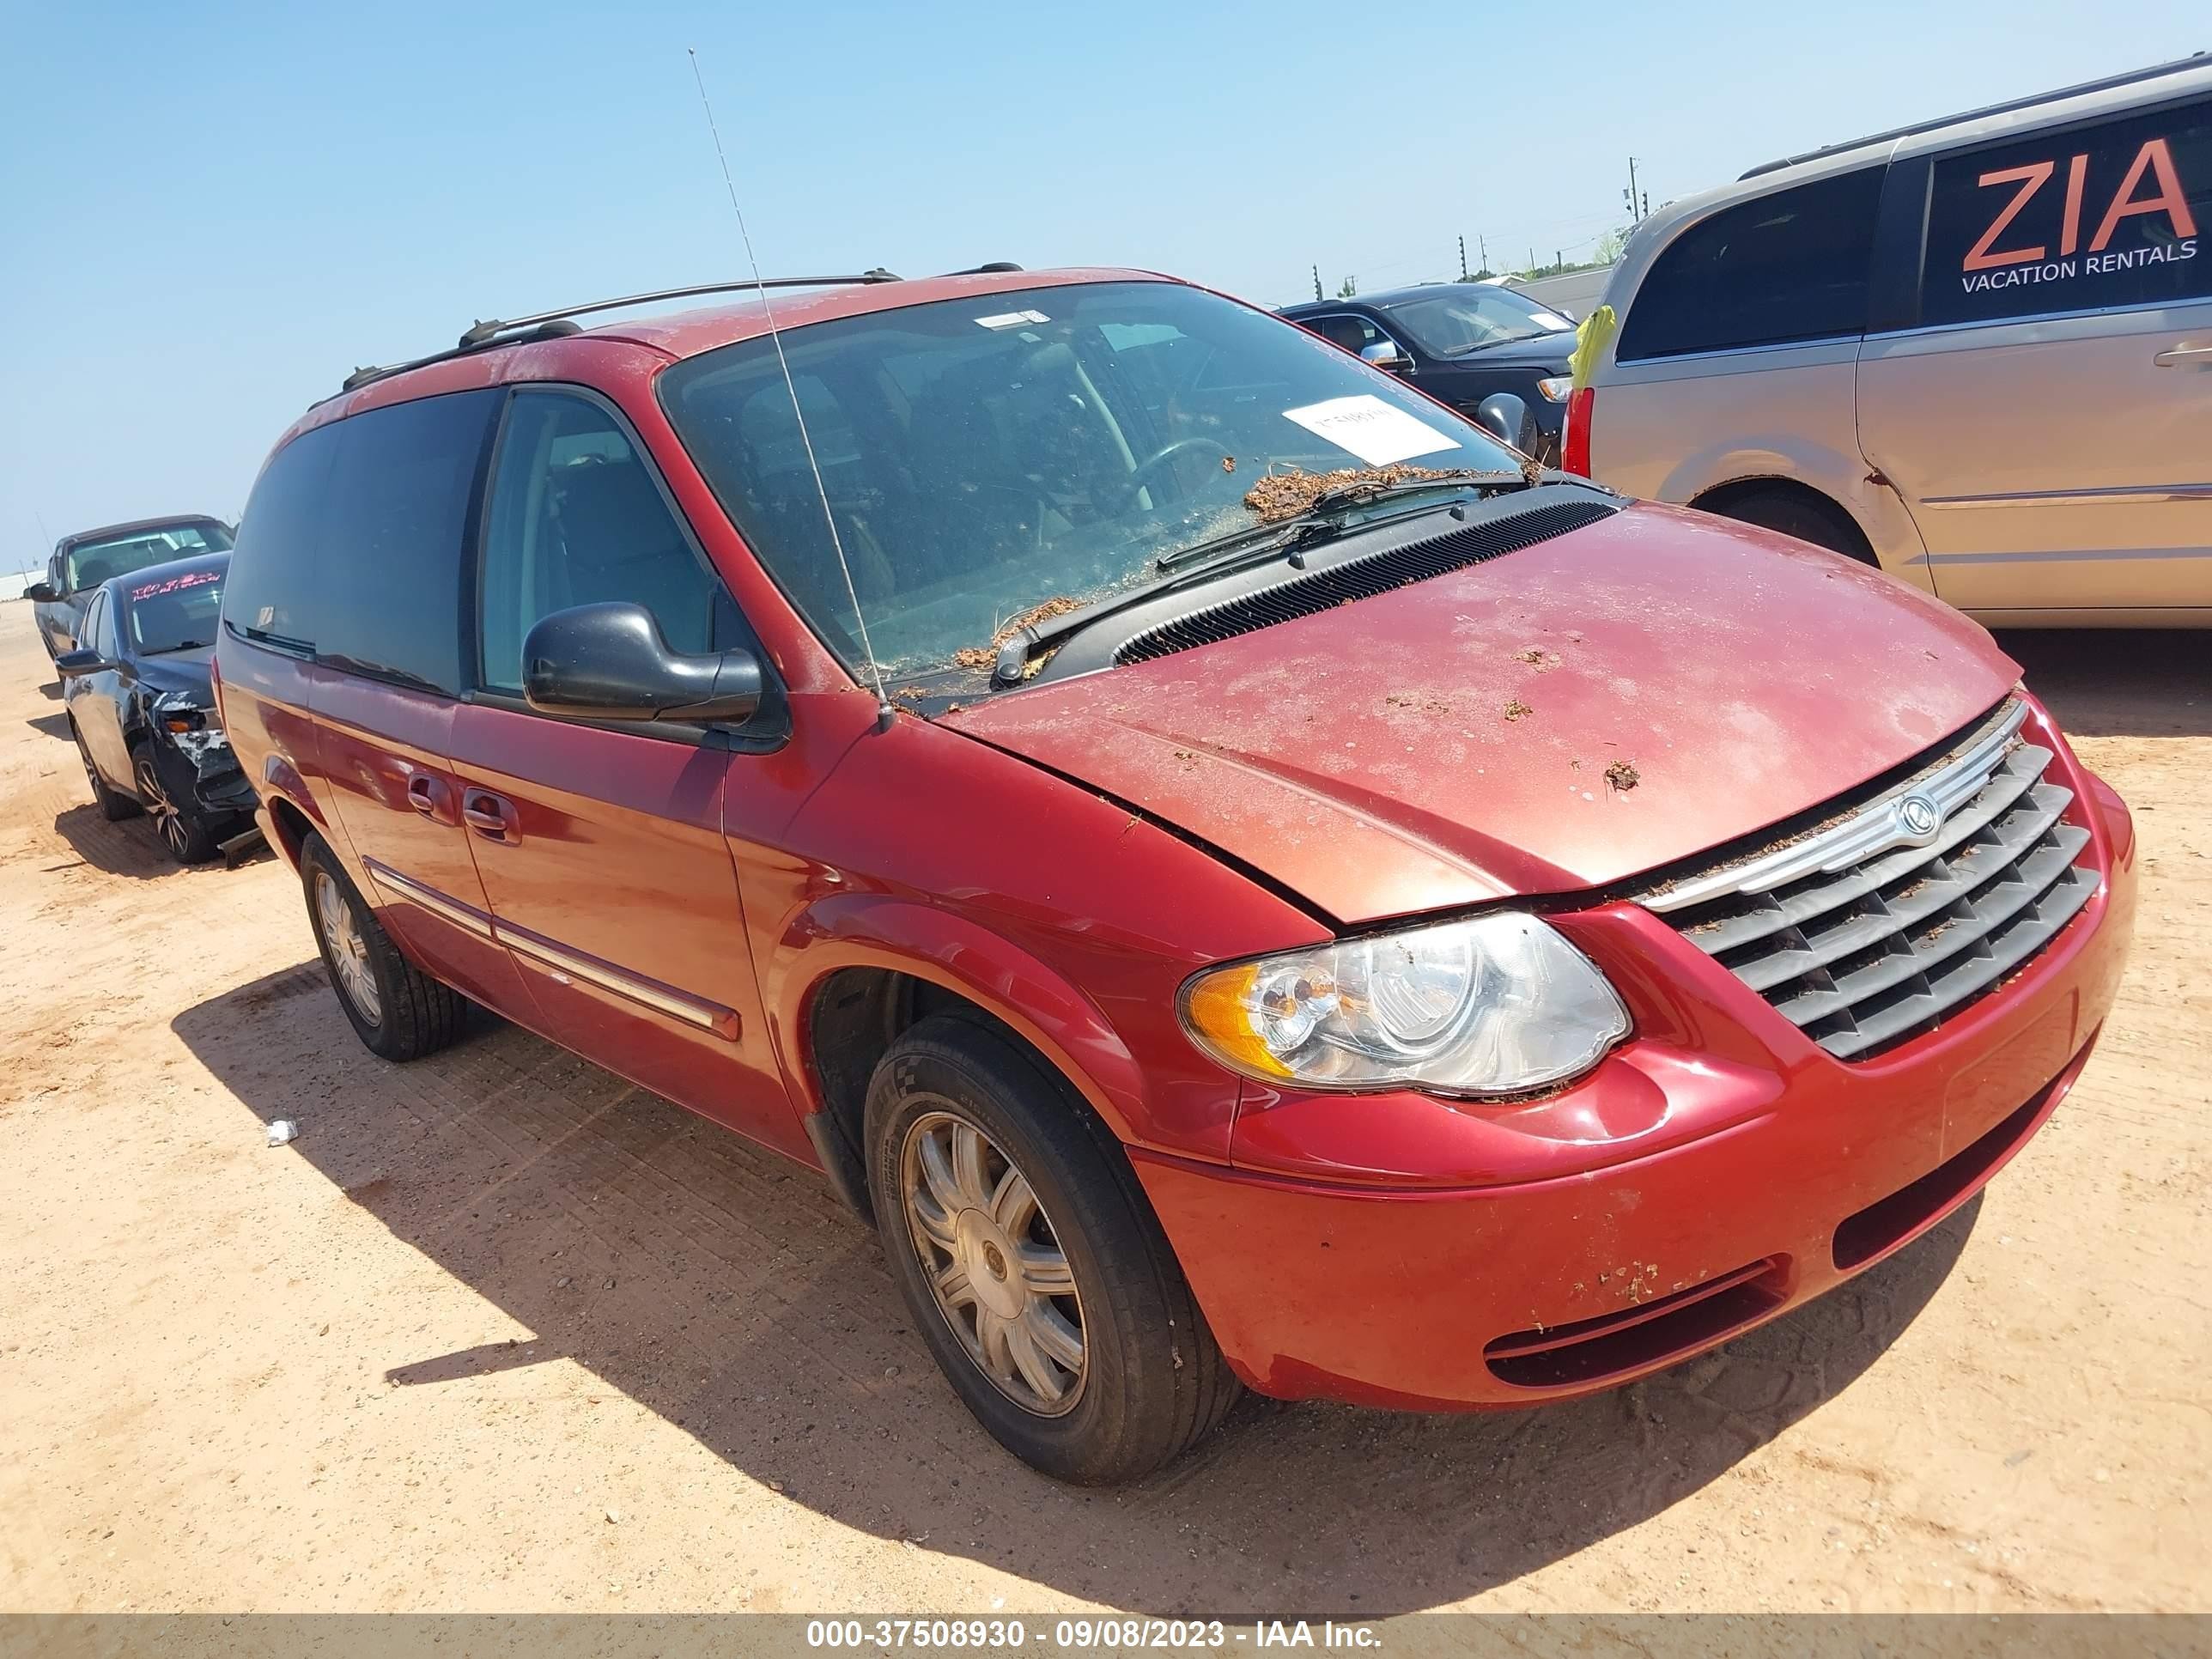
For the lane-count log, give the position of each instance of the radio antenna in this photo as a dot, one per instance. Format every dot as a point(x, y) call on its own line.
point(884, 713)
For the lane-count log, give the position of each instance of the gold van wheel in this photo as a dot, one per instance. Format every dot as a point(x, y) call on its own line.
point(993, 1262)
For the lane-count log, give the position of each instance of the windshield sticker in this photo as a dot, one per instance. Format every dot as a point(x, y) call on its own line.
point(1011, 319)
point(177, 584)
point(1377, 432)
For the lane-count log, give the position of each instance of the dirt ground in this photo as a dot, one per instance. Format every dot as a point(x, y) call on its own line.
point(500, 1332)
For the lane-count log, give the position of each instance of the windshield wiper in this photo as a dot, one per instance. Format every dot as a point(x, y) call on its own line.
point(1314, 525)
point(181, 645)
point(1322, 517)
point(1503, 339)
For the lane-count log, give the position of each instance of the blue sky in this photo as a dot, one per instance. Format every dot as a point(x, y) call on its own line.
point(211, 214)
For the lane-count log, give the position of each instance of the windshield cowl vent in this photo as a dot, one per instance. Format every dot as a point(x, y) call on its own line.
point(1317, 591)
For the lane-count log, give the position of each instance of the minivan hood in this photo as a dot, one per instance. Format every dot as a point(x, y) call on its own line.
point(1449, 743)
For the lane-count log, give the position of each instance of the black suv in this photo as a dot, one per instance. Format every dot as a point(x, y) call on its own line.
point(1460, 342)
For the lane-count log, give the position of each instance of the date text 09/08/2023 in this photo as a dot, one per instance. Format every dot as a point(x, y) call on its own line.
point(992, 1635)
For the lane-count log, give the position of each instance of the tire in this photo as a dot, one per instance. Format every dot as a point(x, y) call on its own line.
point(1149, 1381)
point(177, 820)
point(114, 806)
point(1807, 519)
point(412, 1014)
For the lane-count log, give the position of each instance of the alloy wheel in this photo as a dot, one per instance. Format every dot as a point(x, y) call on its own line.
point(168, 818)
point(994, 1263)
point(348, 949)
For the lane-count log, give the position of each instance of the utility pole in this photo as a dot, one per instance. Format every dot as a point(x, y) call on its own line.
point(1632, 197)
point(1482, 246)
point(1317, 293)
point(1462, 259)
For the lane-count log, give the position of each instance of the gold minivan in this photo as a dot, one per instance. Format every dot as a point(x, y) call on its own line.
point(1976, 352)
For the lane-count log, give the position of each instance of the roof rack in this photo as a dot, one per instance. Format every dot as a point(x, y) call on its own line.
point(483, 336)
point(2195, 60)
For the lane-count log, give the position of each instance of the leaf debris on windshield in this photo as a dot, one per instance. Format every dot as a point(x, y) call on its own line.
point(1286, 495)
point(985, 656)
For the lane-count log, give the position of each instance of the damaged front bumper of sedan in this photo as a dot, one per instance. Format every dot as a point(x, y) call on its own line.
point(218, 783)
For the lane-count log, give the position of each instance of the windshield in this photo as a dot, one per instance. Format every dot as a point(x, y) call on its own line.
point(986, 457)
point(173, 613)
point(1460, 316)
point(91, 563)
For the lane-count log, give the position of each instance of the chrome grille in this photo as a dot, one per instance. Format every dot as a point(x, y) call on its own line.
point(1877, 925)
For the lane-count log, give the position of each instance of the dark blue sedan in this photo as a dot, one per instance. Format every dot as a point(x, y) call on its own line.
point(1460, 343)
point(142, 706)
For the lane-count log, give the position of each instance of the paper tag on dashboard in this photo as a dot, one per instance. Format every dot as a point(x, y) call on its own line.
point(1375, 431)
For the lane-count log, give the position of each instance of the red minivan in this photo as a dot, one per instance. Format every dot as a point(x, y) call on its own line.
point(1244, 880)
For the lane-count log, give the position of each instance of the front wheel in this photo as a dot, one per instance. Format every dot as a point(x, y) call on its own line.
point(176, 819)
point(1033, 1267)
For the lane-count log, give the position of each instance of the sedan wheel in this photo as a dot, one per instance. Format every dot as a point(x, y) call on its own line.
point(994, 1263)
point(349, 951)
point(179, 832)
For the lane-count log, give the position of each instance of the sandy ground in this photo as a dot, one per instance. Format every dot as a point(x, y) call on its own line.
point(501, 1332)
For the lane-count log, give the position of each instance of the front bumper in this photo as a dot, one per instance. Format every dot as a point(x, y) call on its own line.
point(1716, 1172)
point(217, 785)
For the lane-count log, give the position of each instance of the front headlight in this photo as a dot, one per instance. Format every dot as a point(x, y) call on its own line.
point(1491, 1005)
point(1557, 388)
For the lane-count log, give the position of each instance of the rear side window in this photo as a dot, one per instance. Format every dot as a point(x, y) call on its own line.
point(1785, 267)
point(395, 517)
point(352, 544)
point(272, 595)
point(2105, 216)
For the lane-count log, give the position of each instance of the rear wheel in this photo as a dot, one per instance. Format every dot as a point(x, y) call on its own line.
point(114, 806)
point(1032, 1265)
point(176, 819)
point(1806, 517)
point(399, 1012)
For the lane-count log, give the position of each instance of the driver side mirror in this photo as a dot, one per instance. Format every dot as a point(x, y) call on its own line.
point(609, 662)
point(1386, 354)
point(73, 664)
point(42, 593)
point(1506, 416)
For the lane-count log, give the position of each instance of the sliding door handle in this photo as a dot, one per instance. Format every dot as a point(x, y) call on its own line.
point(488, 815)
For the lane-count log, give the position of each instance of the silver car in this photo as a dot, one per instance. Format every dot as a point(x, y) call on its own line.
point(1976, 352)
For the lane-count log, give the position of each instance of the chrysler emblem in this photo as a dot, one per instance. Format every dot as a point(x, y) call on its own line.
point(1918, 817)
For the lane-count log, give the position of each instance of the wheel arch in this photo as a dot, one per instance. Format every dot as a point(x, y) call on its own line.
point(874, 968)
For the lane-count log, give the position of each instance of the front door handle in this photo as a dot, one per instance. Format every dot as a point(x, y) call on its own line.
point(488, 815)
point(422, 793)
point(2184, 357)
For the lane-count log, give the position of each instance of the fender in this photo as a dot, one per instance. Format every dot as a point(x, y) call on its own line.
point(865, 930)
point(1846, 479)
point(281, 778)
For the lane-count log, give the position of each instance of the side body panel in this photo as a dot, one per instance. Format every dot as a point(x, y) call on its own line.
point(615, 890)
point(1676, 429)
point(388, 781)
